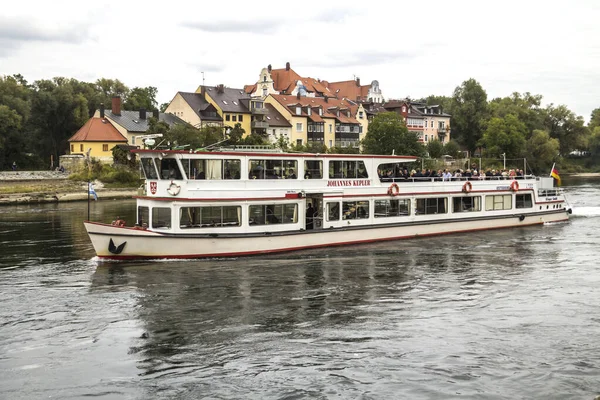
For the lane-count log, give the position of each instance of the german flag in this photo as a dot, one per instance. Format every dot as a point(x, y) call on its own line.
point(555, 175)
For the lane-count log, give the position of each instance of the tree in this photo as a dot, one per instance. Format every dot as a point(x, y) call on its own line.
point(594, 120)
point(452, 149)
point(469, 110)
point(10, 126)
point(139, 98)
point(525, 107)
point(236, 134)
point(444, 101)
point(435, 148)
point(541, 150)
point(504, 135)
point(562, 124)
point(388, 133)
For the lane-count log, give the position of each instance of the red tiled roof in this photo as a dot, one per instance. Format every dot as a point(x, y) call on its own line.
point(349, 90)
point(97, 130)
point(291, 101)
point(249, 88)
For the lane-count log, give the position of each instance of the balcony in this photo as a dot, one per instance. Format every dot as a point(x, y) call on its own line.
point(315, 136)
point(347, 136)
point(259, 125)
point(258, 110)
point(441, 130)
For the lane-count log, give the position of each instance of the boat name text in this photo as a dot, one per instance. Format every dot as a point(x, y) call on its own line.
point(358, 182)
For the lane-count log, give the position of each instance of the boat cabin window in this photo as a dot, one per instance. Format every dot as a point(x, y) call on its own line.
point(267, 214)
point(333, 211)
point(392, 208)
point(387, 172)
point(149, 168)
point(523, 201)
point(498, 202)
point(339, 169)
point(273, 169)
point(355, 209)
point(436, 205)
point(168, 168)
point(143, 217)
point(212, 169)
point(161, 217)
point(466, 204)
point(209, 217)
point(313, 169)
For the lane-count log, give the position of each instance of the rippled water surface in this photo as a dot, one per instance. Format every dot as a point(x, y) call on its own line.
point(496, 315)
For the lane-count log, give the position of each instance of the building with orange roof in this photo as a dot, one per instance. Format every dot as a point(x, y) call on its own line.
point(286, 81)
point(354, 91)
point(98, 136)
point(323, 120)
point(429, 122)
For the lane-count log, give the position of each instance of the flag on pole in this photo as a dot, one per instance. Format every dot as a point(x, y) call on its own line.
point(91, 191)
point(555, 175)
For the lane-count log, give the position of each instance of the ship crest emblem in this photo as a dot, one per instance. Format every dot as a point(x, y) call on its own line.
point(153, 187)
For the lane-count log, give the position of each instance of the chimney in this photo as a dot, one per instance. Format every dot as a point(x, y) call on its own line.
point(203, 91)
point(220, 88)
point(269, 68)
point(142, 113)
point(357, 81)
point(116, 105)
point(101, 110)
point(326, 99)
point(298, 95)
point(155, 114)
point(287, 66)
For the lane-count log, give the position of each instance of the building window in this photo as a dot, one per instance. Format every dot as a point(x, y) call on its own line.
point(72, 148)
point(331, 141)
point(360, 114)
point(403, 109)
point(265, 92)
point(264, 78)
point(241, 118)
point(227, 117)
point(81, 147)
point(299, 142)
point(104, 147)
point(299, 127)
point(298, 110)
point(267, 214)
point(432, 123)
point(330, 128)
point(234, 118)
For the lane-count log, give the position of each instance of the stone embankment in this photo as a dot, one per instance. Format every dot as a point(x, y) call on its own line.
point(19, 187)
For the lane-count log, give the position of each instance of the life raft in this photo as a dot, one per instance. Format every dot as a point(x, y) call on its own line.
point(467, 187)
point(393, 190)
point(174, 189)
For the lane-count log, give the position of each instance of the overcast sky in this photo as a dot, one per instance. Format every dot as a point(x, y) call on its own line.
point(413, 48)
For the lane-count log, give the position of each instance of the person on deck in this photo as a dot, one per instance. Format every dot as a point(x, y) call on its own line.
point(310, 213)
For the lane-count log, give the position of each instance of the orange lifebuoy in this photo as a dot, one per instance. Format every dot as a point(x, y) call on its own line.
point(514, 186)
point(467, 187)
point(394, 190)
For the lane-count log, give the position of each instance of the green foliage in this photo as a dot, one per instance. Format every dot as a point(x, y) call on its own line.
point(236, 134)
point(283, 143)
point(139, 98)
point(388, 133)
point(594, 144)
point(594, 119)
point(504, 135)
point(469, 111)
point(526, 108)
point(435, 148)
point(341, 150)
point(444, 101)
point(452, 149)
point(541, 150)
point(123, 157)
point(112, 176)
point(562, 124)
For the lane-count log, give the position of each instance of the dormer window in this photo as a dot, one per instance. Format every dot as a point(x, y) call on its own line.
point(298, 110)
point(320, 111)
point(308, 111)
point(403, 109)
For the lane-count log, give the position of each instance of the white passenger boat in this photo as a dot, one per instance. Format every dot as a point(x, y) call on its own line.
point(231, 203)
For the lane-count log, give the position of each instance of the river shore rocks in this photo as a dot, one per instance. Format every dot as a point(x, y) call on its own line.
point(22, 187)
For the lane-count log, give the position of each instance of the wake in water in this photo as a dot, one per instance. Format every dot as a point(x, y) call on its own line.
point(586, 211)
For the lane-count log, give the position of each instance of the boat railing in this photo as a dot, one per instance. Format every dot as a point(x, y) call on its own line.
point(251, 148)
point(452, 179)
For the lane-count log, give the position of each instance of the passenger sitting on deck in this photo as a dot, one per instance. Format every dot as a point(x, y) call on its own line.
point(118, 222)
point(291, 174)
point(201, 175)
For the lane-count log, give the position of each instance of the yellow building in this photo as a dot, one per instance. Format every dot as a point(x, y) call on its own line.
point(98, 136)
point(194, 109)
point(232, 105)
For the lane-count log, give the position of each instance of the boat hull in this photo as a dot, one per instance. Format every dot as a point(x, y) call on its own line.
point(120, 243)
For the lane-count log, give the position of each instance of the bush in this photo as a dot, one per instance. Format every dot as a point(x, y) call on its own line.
point(114, 176)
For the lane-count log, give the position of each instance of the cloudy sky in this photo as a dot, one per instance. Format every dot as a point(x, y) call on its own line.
point(413, 49)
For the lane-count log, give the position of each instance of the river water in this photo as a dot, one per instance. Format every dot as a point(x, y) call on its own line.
point(511, 314)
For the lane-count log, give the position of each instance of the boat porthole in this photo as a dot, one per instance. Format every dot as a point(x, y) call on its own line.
point(547, 207)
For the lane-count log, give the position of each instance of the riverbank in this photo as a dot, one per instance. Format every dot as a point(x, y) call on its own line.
point(23, 187)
